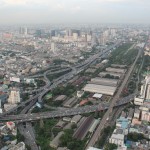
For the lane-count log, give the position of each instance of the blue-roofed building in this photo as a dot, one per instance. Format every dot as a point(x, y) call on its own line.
point(128, 143)
point(124, 124)
point(3, 97)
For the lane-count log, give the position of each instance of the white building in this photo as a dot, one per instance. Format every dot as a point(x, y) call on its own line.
point(116, 70)
point(93, 88)
point(53, 47)
point(56, 141)
point(14, 96)
point(117, 139)
point(19, 146)
point(93, 148)
point(145, 116)
point(8, 107)
point(148, 92)
point(138, 101)
point(80, 93)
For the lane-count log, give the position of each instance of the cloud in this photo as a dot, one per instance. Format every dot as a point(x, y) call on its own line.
point(74, 10)
point(15, 2)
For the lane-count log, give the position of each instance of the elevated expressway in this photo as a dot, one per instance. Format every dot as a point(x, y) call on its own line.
point(65, 112)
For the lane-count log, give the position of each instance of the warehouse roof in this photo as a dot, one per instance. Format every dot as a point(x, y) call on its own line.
point(61, 98)
point(76, 118)
point(56, 141)
point(108, 90)
point(105, 81)
point(110, 73)
point(70, 102)
point(118, 70)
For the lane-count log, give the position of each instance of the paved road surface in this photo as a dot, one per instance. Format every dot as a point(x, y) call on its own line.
point(114, 100)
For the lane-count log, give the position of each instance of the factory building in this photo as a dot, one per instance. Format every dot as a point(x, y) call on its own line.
point(104, 81)
point(83, 129)
point(118, 66)
point(76, 119)
point(117, 139)
point(103, 74)
point(69, 103)
point(94, 125)
point(19, 146)
point(93, 88)
point(56, 141)
point(117, 70)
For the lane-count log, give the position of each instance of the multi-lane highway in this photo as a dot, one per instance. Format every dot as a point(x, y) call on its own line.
point(65, 112)
point(113, 102)
point(73, 70)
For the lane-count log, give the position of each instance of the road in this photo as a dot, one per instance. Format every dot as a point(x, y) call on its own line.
point(65, 112)
point(114, 100)
point(29, 138)
point(28, 131)
point(75, 70)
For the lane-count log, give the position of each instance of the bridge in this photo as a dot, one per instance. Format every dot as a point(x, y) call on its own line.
point(65, 112)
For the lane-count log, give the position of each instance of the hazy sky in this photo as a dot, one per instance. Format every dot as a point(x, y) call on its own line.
point(74, 11)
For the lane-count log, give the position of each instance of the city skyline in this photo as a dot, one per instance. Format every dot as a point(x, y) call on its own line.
point(74, 11)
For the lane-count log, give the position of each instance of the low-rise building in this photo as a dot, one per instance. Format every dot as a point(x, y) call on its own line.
point(62, 148)
point(137, 113)
point(116, 70)
point(56, 141)
point(104, 81)
point(145, 116)
point(67, 119)
point(80, 93)
point(103, 74)
point(60, 124)
point(71, 102)
point(93, 148)
point(93, 88)
point(138, 101)
point(117, 139)
point(76, 119)
point(130, 114)
point(19, 146)
point(61, 98)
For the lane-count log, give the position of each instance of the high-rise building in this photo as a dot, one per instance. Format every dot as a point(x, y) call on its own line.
point(75, 36)
point(14, 96)
point(145, 116)
point(89, 38)
point(145, 88)
point(148, 92)
point(52, 33)
point(23, 30)
point(53, 47)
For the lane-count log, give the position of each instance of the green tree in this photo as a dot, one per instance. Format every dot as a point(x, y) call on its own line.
point(110, 146)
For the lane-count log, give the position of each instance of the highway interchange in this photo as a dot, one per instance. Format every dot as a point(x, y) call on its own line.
point(27, 116)
point(65, 112)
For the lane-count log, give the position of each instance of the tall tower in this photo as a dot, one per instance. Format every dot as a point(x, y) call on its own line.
point(14, 96)
point(53, 47)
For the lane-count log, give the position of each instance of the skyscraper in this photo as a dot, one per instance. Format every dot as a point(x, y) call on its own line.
point(14, 96)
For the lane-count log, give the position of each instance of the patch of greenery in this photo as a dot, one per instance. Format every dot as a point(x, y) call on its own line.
point(105, 133)
point(135, 137)
point(43, 134)
point(68, 141)
point(110, 146)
